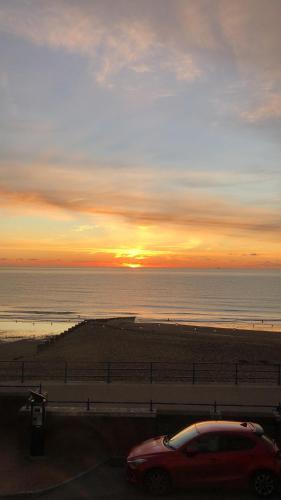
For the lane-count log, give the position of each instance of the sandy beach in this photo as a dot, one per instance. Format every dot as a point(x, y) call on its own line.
point(121, 340)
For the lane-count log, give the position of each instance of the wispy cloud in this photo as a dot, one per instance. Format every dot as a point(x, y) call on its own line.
point(96, 196)
point(141, 47)
point(252, 34)
point(56, 24)
point(84, 228)
point(82, 174)
point(111, 46)
point(267, 110)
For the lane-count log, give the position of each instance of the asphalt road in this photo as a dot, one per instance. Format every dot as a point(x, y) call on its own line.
point(108, 483)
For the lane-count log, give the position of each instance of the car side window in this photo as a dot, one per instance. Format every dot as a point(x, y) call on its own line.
point(204, 444)
point(236, 443)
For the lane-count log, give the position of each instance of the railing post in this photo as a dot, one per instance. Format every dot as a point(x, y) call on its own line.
point(279, 374)
point(215, 407)
point(22, 372)
point(151, 373)
point(193, 373)
point(151, 405)
point(108, 373)
point(65, 372)
point(88, 404)
point(236, 373)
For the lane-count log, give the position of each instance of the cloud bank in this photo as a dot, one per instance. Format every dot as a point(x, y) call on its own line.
point(136, 197)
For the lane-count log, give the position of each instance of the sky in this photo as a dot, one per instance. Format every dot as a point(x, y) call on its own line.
point(140, 133)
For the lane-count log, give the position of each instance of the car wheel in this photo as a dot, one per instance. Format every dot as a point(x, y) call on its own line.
point(157, 482)
point(264, 483)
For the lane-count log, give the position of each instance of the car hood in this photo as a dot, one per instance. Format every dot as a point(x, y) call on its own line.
point(149, 447)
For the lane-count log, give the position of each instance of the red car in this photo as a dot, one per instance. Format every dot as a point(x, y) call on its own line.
point(208, 453)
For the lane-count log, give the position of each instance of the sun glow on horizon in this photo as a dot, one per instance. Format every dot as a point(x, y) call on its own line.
point(133, 253)
point(131, 265)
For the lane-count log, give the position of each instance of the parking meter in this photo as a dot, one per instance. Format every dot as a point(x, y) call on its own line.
point(38, 416)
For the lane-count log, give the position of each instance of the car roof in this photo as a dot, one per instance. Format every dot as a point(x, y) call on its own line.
point(228, 426)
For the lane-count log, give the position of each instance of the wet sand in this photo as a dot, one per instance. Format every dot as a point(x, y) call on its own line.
point(121, 340)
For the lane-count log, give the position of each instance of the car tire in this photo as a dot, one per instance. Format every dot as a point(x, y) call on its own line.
point(157, 482)
point(264, 483)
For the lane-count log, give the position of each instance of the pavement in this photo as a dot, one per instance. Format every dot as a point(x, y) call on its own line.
point(69, 451)
point(108, 483)
point(164, 396)
point(167, 396)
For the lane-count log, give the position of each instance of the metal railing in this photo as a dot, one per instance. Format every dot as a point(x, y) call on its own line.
point(213, 407)
point(142, 372)
point(38, 387)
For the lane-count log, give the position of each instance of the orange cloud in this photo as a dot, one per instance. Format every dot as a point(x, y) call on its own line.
point(199, 260)
point(195, 212)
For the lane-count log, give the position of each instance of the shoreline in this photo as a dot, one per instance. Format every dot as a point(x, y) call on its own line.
point(100, 340)
point(39, 330)
point(257, 326)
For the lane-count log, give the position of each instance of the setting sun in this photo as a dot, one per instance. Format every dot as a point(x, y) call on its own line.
point(132, 266)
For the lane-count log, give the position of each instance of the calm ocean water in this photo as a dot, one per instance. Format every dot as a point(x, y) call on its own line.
point(46, 301)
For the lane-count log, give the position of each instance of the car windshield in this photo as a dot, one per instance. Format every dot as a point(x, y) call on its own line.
point(183, 437)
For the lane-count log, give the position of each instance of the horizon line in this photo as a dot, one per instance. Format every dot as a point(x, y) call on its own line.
point(65, 266)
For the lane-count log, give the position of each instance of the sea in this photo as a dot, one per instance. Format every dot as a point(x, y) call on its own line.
point(37, 302)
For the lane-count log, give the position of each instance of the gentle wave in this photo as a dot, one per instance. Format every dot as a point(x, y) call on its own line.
point(46, 313)
point(182, 296)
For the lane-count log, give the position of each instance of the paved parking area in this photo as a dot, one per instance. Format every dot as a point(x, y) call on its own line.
point(108, 483)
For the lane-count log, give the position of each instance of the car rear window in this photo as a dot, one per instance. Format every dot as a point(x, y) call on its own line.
point(268, 440)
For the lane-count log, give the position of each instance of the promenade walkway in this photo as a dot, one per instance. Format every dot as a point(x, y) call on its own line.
point(253, 399)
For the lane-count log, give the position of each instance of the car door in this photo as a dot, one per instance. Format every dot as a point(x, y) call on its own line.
point(197, 462)
point(235, 454)
point(216, 458)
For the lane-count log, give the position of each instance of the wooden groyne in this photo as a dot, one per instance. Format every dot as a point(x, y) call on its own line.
point(114, 323)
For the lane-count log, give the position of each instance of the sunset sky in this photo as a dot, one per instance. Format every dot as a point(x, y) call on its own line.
point(140, 133)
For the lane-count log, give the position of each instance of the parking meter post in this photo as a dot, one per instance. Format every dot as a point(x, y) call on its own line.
point(38, 418)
